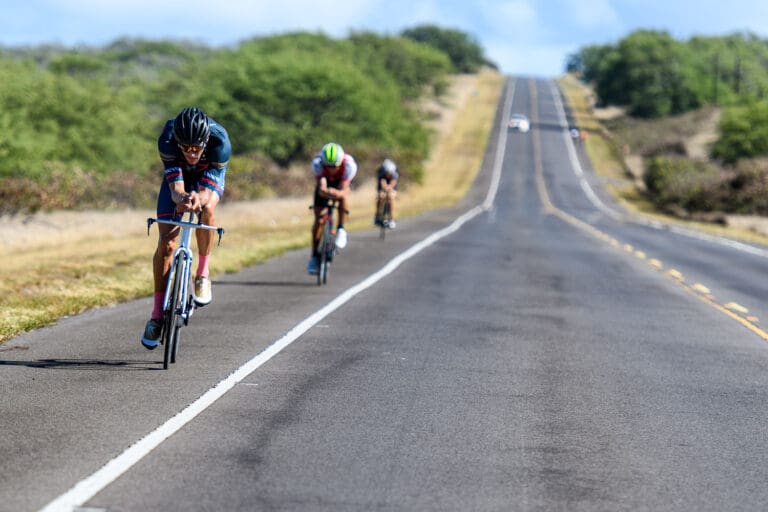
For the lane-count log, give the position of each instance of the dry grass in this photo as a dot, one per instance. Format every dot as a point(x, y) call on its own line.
point(63, 263)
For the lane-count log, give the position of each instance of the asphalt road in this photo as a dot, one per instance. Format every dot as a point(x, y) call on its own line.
point(544, 352)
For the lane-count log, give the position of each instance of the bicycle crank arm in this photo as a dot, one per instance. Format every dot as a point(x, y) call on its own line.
point(191, 309)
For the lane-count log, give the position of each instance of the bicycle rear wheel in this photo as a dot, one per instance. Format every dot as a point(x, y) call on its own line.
point(172, 327)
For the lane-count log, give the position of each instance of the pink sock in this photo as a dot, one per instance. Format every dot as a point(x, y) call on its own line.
point(157, 312)
point(202, 265)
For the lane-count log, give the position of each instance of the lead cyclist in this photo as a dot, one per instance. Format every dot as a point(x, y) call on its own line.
point(195, 151)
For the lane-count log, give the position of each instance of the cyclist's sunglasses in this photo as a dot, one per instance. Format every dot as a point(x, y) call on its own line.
point(191, 148)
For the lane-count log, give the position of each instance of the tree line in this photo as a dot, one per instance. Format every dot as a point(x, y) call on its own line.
point(656, 75)
point(75, 122)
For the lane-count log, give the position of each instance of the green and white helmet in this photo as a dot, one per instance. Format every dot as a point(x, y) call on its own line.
point(332, 155)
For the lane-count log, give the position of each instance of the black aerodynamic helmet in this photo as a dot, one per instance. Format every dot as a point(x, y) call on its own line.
point(191, 127)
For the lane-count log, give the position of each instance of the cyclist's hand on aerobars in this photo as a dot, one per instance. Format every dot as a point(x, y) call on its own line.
point(329, 193)
point(193, 202)
point(190, 202)
point(181, 206)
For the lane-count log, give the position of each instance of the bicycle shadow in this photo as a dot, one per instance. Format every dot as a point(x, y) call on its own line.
point(299, 284)
point(85, 364)
point(374, 236)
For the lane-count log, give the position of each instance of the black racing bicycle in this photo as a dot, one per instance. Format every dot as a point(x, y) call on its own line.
point(326, 247)
point(383, 216)
point(179, 303)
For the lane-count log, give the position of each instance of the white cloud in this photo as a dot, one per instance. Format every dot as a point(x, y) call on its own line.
point(591, 14)
point(531, 59)
point(516, 19)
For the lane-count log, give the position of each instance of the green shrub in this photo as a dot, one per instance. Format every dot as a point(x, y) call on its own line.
point(747, 190)
point(674, 181)
point(743, 132)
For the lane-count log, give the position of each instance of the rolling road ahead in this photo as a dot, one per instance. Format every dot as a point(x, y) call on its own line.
point(534, 348)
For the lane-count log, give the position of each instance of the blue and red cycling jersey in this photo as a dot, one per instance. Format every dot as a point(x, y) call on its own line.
point(209, 172)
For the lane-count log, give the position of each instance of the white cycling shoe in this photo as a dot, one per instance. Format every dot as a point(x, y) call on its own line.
point(341, 238)
point(203, 295)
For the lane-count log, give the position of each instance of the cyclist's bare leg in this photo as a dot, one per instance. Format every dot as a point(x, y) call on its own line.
point(391, 198)
point(317, 227)
point(205, 238)
point(342, 211)
point(161, 262)
point(380, 198)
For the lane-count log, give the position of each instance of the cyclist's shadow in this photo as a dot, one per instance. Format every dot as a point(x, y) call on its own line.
point(84, 364)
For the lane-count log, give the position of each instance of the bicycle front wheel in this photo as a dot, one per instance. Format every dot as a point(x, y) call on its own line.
point(172, 327)
point(323, 248)
point(384, 219)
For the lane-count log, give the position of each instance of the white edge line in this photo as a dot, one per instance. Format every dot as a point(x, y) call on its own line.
point(111, 471)
point(500, 148)
point(575, 163)
point(733, 244)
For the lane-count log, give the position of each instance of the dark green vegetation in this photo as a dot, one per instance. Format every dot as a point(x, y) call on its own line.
point(79, 127)
point(667, 82)
point(465, 53)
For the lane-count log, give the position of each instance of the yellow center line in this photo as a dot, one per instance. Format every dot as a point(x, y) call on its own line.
point(697, 290)
point(675, 274)
point(737, 307)
point(700, 288)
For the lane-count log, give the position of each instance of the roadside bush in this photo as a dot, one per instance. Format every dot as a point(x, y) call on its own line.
point(743, 133)
point(747, 189)
point(675, 182)
point(684, 186)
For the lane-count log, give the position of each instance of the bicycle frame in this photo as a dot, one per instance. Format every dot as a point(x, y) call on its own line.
point(383, 207)
point(182, 255)
point(327, 245)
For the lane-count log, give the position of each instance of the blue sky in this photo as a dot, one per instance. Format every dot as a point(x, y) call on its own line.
point(524, 37)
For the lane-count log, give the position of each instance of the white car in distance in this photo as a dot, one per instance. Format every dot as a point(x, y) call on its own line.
point(519, 122)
